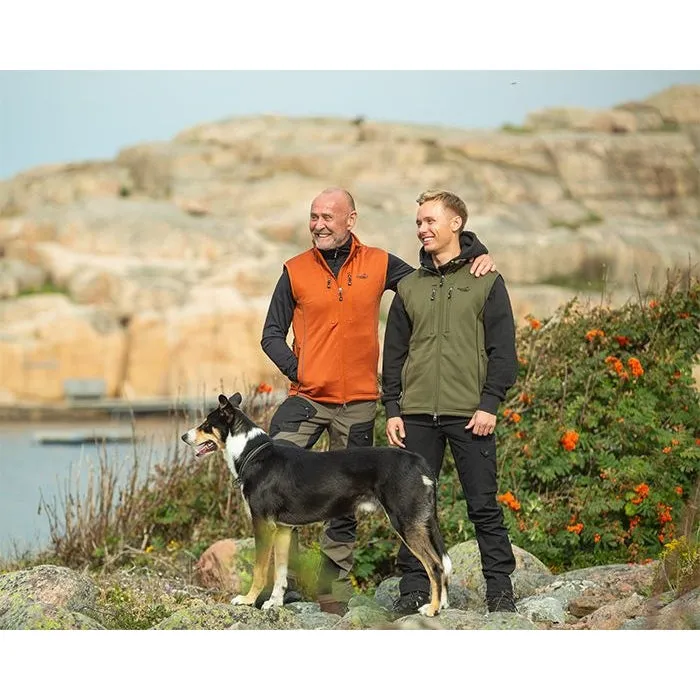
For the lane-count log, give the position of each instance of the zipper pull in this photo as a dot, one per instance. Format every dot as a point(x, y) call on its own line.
point(432, 296)
point(449, 293)
point(340, 294)
point(435, 419)
point(442, 280)
point(328, 283)
point(349, 280)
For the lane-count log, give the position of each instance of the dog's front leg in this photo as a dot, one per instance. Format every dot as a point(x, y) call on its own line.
point(283, 536)
point(264, 532)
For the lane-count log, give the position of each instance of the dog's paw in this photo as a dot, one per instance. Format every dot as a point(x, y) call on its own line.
point(272, 603)
point(240, 600)
point(427, 610)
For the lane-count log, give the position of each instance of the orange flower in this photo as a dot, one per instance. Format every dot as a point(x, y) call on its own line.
point(263, 389)
point(666, 450)
point(510, 500)
point(525, 398)
point(507, 412)
point(635, 367)
point(515, 417)
point(535, 324)
point(520, 435)
point(569, 440)
point(697, 441)
point(634, 522)
point(642, 490)
point(683, 314)
point(679, 490)
point(527, 451)
point(623, 340)
point(653, 304)
point(596, 537)
point(575, 528)
point(664, 513)
point(593, 334)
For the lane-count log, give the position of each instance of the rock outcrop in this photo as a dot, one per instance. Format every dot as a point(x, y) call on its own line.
point(603, 597)
point(161, 262)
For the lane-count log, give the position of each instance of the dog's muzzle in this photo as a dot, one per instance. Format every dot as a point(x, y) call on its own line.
point(204, 448)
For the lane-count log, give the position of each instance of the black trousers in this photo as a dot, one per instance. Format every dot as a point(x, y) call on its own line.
point(475, 460)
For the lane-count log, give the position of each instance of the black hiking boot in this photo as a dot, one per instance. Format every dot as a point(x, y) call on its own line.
point(501, 601)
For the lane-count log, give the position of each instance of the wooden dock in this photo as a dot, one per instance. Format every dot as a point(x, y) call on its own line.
point(81, 437)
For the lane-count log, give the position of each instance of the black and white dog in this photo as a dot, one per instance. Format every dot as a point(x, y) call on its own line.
point(284, 486)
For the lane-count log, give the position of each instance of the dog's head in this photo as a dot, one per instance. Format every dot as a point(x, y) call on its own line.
point(212, 433)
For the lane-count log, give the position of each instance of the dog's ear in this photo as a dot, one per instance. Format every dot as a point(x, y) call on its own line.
point(236, 399)
point(226, 408)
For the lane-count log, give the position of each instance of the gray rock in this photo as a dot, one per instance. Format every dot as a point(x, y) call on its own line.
point(542, 609)
point(48, 597)
point(220, 617)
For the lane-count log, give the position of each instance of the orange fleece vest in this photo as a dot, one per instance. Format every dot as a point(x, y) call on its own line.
point(335, 324)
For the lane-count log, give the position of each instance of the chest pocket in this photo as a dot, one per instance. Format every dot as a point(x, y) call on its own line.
point(458, 297)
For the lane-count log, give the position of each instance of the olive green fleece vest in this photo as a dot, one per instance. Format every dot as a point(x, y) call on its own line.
point(445, 370)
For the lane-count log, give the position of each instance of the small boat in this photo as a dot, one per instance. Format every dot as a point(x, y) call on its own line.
point(81, 437)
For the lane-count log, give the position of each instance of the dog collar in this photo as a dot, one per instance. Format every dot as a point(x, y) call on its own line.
point(251, 455)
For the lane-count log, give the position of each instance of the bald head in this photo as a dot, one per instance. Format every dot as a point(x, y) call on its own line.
point(340, 193)
point(332, 218)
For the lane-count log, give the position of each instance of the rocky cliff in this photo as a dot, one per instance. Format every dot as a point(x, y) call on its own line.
point(153, 271)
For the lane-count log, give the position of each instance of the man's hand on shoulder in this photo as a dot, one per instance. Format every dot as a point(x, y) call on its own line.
point(482, 265)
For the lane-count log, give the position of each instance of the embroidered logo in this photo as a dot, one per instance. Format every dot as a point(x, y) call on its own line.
point(362, 276)
point(464, 289)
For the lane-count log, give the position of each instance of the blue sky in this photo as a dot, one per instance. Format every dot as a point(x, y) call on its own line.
point(63, 116)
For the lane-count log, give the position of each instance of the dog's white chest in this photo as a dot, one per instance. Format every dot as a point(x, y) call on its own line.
point(235, 447)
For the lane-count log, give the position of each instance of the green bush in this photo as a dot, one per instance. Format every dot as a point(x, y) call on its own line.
point(599, 440)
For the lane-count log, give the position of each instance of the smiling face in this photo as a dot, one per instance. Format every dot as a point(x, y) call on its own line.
point(210, 436)
point(331, 219)
point(438, 229)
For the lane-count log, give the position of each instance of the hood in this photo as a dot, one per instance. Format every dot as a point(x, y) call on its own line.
point(471, 247)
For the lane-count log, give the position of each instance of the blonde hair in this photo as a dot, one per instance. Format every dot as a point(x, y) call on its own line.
point(449, 200)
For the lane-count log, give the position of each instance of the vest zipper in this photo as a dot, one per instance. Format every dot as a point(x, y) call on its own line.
point(448, 309)
point(439, 350)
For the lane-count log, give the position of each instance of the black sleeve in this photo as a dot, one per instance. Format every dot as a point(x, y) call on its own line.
point(277, 322)
point(499, 339)
point(396, 339)
point(396, 270)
